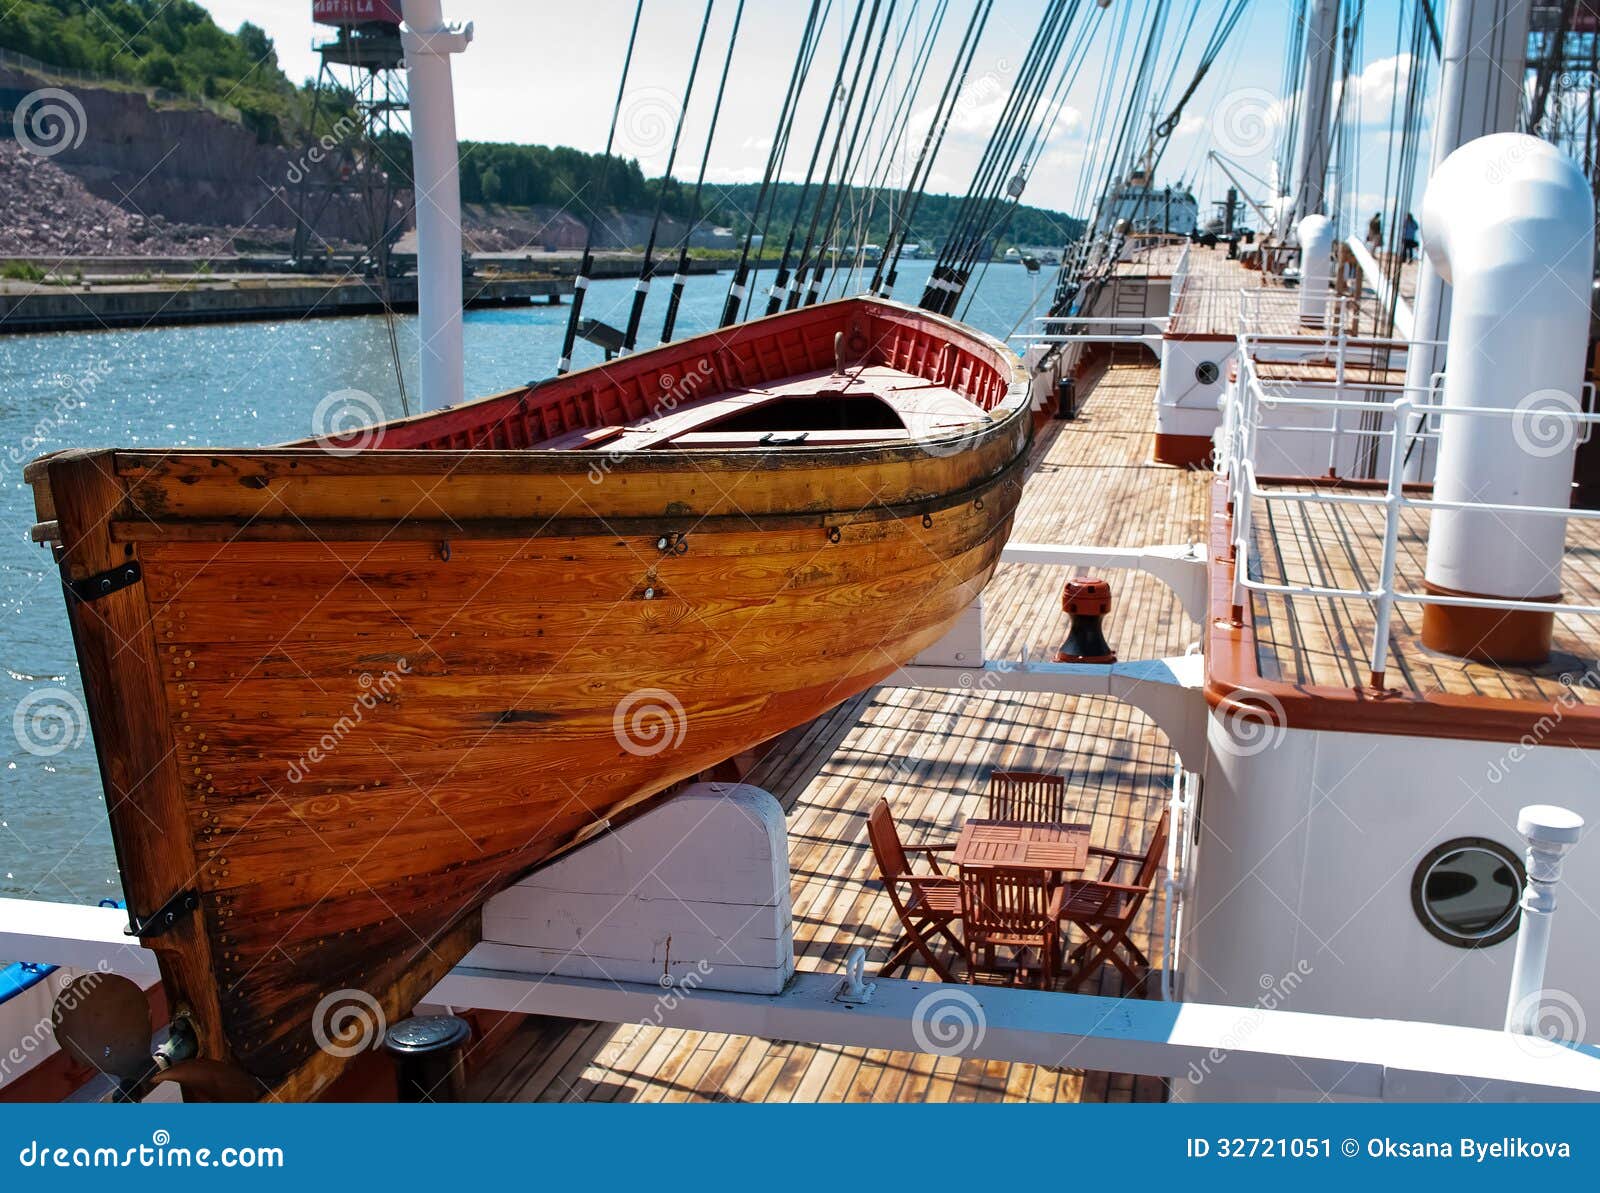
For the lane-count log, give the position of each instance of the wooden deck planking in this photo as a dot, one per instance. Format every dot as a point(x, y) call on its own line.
point(1328, 641)
point(929, 753)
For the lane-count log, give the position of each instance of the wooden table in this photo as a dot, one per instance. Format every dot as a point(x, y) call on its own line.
point(1023, 844)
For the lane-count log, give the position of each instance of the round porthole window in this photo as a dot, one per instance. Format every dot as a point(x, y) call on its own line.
point(1466, 892)
point(1207, 372)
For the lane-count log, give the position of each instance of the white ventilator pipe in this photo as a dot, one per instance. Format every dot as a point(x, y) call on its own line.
point(1511, 230)
point(1316, 109)
point(1550, 831)
point(1482, 59)
point(1316, 268)
point(428, 44)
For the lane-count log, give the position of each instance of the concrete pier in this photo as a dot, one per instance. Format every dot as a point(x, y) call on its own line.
point(212, 298)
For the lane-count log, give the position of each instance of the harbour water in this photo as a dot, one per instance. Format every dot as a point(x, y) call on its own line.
point(240, 385)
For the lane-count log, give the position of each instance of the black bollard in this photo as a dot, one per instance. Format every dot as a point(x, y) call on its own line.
point(1067, 398)
point(427, 1055)
point(1086, 602)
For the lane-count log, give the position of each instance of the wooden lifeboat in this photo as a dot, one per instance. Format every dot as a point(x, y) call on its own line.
point(345, 690)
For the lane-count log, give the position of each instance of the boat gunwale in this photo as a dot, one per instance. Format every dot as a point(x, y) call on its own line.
point(626, 367)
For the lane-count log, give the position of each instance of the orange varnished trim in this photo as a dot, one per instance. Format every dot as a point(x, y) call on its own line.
point(1502, 636)
point(1234, 680)
point(1183, 451)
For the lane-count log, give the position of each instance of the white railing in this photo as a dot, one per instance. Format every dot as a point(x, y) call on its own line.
point(1348, 356)
point(1239, 437)
point(1180, 278)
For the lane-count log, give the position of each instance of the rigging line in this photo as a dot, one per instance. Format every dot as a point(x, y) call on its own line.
point(641, 289)
point(1041, 136)
point(676, 296)
point(900, 124)
point(995, 172)
point(951, 249)
point(809, 38)
point(772, 209)
point(580, 283)
point(847, 187)
point(847, 190)
point(807, 265)
point(780, 282)
point(922, 169)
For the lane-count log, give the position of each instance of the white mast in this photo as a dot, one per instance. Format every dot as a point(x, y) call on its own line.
point(428, 43)
point(1316, 110)
point(1483, 59)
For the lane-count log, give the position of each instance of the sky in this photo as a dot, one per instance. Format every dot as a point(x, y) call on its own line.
point(547, 73)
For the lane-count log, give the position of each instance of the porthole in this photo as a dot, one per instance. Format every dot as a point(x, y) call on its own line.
point(1466, 892)
point(1207, 372)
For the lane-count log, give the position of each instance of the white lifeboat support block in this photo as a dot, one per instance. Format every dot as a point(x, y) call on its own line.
point(1316, 268)
point(1510, 228)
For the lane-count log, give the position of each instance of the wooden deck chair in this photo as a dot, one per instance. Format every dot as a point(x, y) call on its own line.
point(927, 904)
point(1027, 795)
point(1011, 908)
point(1105, 910)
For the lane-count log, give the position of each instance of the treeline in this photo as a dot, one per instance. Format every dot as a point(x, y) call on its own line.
point(176, 46)
point(170, 44)
point(540, 176)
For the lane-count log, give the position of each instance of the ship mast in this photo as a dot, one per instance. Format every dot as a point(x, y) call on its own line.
point(428, 43)
point(1316, 99)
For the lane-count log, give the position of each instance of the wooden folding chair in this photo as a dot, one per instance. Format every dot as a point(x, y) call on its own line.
point(1027, 795)
point(1010, 908)
point(927, 904)
point(1105, 910)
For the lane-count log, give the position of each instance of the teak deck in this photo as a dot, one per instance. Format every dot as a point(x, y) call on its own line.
point(930, 753)
point(1325, 642)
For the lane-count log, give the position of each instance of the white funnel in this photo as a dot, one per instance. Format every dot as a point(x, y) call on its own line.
point(1509, 226)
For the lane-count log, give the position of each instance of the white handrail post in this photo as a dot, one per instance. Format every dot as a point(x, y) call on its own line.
point(1394, 504)
point(428, 43)
point(1338, 396)
point(1550, 831)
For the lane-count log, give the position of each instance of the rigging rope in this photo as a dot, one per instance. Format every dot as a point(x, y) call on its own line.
point(580, 283)
point(641, 289)
point(694, 208)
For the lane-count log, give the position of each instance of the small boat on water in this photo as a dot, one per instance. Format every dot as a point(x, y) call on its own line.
point(346, 689)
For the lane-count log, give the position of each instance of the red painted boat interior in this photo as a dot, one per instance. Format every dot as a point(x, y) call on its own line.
point(589, 408)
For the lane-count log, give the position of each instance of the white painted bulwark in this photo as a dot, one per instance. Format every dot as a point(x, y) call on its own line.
point(1308, 851)
point(695, 892)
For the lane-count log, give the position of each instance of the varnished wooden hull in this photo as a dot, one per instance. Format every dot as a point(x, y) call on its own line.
point(351, 696)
